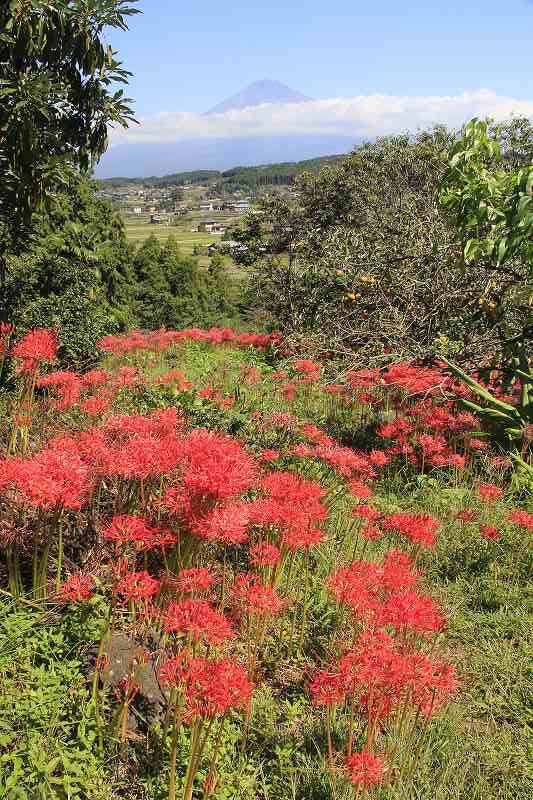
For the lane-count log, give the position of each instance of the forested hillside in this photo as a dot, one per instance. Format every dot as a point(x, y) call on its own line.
point(252, 177)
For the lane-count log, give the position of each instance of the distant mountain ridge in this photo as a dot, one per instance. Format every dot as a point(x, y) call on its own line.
point(282, 173)
point(258, 93)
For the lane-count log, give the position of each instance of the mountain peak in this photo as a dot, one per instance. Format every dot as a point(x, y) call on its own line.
point(257, 93)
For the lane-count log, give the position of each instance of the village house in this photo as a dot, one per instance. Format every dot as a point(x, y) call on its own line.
point(241, 206)
point(211, 226)
point(159, 219)
point(211, 205)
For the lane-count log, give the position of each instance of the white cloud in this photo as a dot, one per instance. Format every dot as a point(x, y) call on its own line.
point(365, 116)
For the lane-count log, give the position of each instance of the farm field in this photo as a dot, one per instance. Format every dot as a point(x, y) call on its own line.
point(186, 239)
point(256, 578)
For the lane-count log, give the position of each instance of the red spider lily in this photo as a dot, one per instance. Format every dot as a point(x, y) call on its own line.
point(398, 429)
point(94, 406)
point(251, 374)
point(432, 445)
point(159, 341)
point(371, 533)
point(476, 444)
point(265, 554)
point(254, 597)
point(78, 588)
point(345, 461)
point(174, 376)
point(415, 380)
point(376, 705)
point(455, 460)
point(328, 688)
point(126, 690)
point(125, 528)
point(95, 378)
point(302, 537)
point(357, 586)
point(37, 345)
point(143, 456)
point(215, 687)
point(196, 580)
point(316, 435)
point(489, 492)
point(307, 367)
point(408, 609)
point(289, 391)
point(366, 512)
point(365, 769)
point(216, 466)
point(490, 532)
point(6, 329)
point(269, 455)
point(127, 376)
point(397, 571)
point(500, 463)
point(57, 477)
point(419, 528)
point(521, 518)
point(198, 619)
point(57, 378)
point(360, 490)
point(137, 586)
point(298, 498)
point(302, 451)
point(225, 523)
point(364, 378)
point(466, 516)
point(433, 683)
point(68, 388)
point(282, 420)
point(175, 671)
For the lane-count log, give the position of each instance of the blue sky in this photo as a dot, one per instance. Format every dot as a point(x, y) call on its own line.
point(372, 69)
point(188, 57)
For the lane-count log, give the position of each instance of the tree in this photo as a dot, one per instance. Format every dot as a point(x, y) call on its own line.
point(367, 262)
point(356, 262)
point(75, 273)
point(491, 201)
point(56, 99)
point(489, 191)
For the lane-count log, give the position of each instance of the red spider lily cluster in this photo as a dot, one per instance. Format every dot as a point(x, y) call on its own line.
point(159, 341)
point(208, 544)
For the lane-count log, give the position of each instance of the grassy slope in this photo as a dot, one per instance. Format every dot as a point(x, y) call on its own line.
point(477, 750)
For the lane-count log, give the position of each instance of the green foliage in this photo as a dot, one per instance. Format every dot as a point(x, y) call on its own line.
point(368, 261)
point(247, 178)
point(511, 420)
point(491, 200)
point(47, 730)
point(75, 274)
point(56, 95)
point(360, 260)
point(173, 291)
point(64, 260)
point(493, 205)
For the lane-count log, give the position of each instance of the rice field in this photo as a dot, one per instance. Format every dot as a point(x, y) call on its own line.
point(186, 239)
